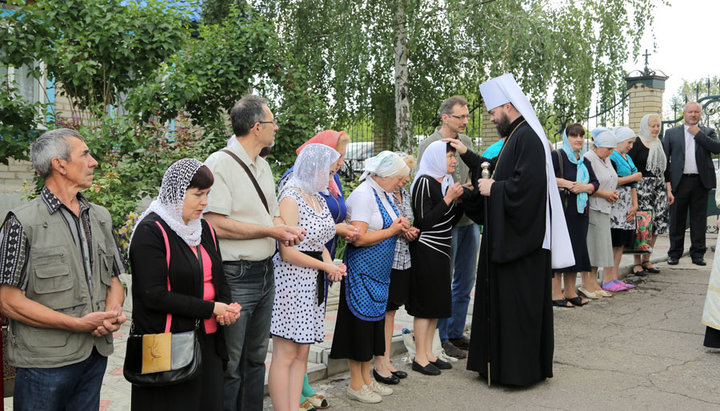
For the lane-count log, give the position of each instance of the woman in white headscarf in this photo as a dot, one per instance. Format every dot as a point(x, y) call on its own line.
point(622, 214)
point(299, 306)
point(650, 159)
point(433, 196)
point(360, 330)
point(177, 280)
point(599, 242)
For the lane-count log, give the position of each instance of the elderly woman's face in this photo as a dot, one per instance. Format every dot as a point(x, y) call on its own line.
point(603, 152)
point(654, 125)
point(451, 161)
point(403, 181)
point(625, 146)
point(195, 202)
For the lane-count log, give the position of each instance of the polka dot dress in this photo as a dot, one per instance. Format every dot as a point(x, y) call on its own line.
point(296, 315)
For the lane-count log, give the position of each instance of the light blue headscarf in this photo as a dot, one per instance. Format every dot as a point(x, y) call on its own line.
point(583, 175)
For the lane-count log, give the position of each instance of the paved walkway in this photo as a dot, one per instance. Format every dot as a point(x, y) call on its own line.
point(641, 349)
point(115, 393)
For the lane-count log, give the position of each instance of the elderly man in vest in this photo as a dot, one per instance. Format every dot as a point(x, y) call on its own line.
point(58, 282)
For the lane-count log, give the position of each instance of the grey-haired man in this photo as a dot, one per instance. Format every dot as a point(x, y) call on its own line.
point(58, 282)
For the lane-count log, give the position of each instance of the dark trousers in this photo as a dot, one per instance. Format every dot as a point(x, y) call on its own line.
point(252, 285)
point(689, 194)
point(71, 387)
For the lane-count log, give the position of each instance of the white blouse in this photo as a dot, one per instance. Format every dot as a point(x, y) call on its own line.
point(362, 205)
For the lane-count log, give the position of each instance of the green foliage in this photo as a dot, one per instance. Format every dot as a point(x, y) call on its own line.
point(97, 49)
point(210, 73)
point(560, 52)
point(15, 116)
point(133, 157)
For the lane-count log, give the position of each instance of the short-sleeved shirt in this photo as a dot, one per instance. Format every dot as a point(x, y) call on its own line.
point(362, 205)
point(233, 195)
point(15, 247)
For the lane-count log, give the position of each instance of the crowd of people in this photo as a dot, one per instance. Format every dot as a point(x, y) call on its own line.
point(220, 252)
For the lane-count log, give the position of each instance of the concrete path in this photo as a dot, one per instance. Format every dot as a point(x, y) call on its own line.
point(639, 349)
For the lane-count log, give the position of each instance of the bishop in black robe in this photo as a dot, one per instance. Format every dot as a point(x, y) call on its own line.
point(519, 336)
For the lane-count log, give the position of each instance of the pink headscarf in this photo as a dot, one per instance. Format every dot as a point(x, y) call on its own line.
point(329, 138)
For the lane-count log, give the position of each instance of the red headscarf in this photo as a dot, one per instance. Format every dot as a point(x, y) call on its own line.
point(329, 138)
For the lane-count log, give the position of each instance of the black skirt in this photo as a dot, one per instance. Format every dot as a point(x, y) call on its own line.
point(204, 392)
point(577, 225)
point(356, 339)
point(399, 288)
point(622, 238)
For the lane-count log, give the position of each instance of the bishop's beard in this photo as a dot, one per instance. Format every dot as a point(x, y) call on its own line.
point(503, 127)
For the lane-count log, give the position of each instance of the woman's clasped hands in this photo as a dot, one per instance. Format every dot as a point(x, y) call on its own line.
point(226, 314)
point(336, 272)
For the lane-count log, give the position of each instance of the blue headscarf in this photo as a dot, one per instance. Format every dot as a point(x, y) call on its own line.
point(583, 175)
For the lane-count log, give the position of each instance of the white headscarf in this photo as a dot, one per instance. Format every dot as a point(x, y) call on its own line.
point(311, 172)
point(656, 161)
point(623, 133)
point(385, 164)
point(504, 89)
point(171, 198)
point(434, 164)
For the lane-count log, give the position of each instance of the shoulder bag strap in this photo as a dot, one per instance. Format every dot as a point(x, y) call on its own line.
point(560, 162)
point(212, 231)
point(252, 177)
point(168, 319)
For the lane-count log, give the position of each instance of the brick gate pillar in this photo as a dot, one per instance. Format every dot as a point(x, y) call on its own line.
point(645, 95)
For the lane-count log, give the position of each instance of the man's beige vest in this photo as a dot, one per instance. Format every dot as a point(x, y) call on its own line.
point(56, 279)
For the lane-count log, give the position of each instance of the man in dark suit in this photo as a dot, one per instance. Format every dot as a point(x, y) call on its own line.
point(689, 177)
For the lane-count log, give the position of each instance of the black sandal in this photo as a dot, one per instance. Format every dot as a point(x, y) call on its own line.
point(576, 301)
point(652, 270)
point(640, 273)
point(562, 303)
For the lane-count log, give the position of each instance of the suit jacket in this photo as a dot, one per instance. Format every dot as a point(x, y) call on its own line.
point(706, 143)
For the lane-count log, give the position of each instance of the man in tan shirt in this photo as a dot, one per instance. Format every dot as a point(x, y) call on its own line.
point(248, 225)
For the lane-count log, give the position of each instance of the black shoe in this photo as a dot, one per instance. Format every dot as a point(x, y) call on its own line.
point(647, 268)
point(453, 351)
point(672, 261)
point(698, 261)
point(391, 380)
point(442, 365)
point(429, 369)
point(462, 343)
point(399, 374)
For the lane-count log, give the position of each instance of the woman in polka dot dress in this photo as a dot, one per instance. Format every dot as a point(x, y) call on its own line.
point(299, 305)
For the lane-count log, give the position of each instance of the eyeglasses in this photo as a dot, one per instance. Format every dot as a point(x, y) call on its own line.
point(460, 117)
point(273, 121)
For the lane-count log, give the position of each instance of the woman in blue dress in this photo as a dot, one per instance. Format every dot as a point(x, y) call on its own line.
point(359, 330)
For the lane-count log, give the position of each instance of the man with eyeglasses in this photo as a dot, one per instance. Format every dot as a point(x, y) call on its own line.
point(465, 235)
point(243, 209)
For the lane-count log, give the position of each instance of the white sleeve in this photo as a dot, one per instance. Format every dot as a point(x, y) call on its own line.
point(357, 204)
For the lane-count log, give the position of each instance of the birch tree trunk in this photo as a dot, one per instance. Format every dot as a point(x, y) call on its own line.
point(402, 98)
